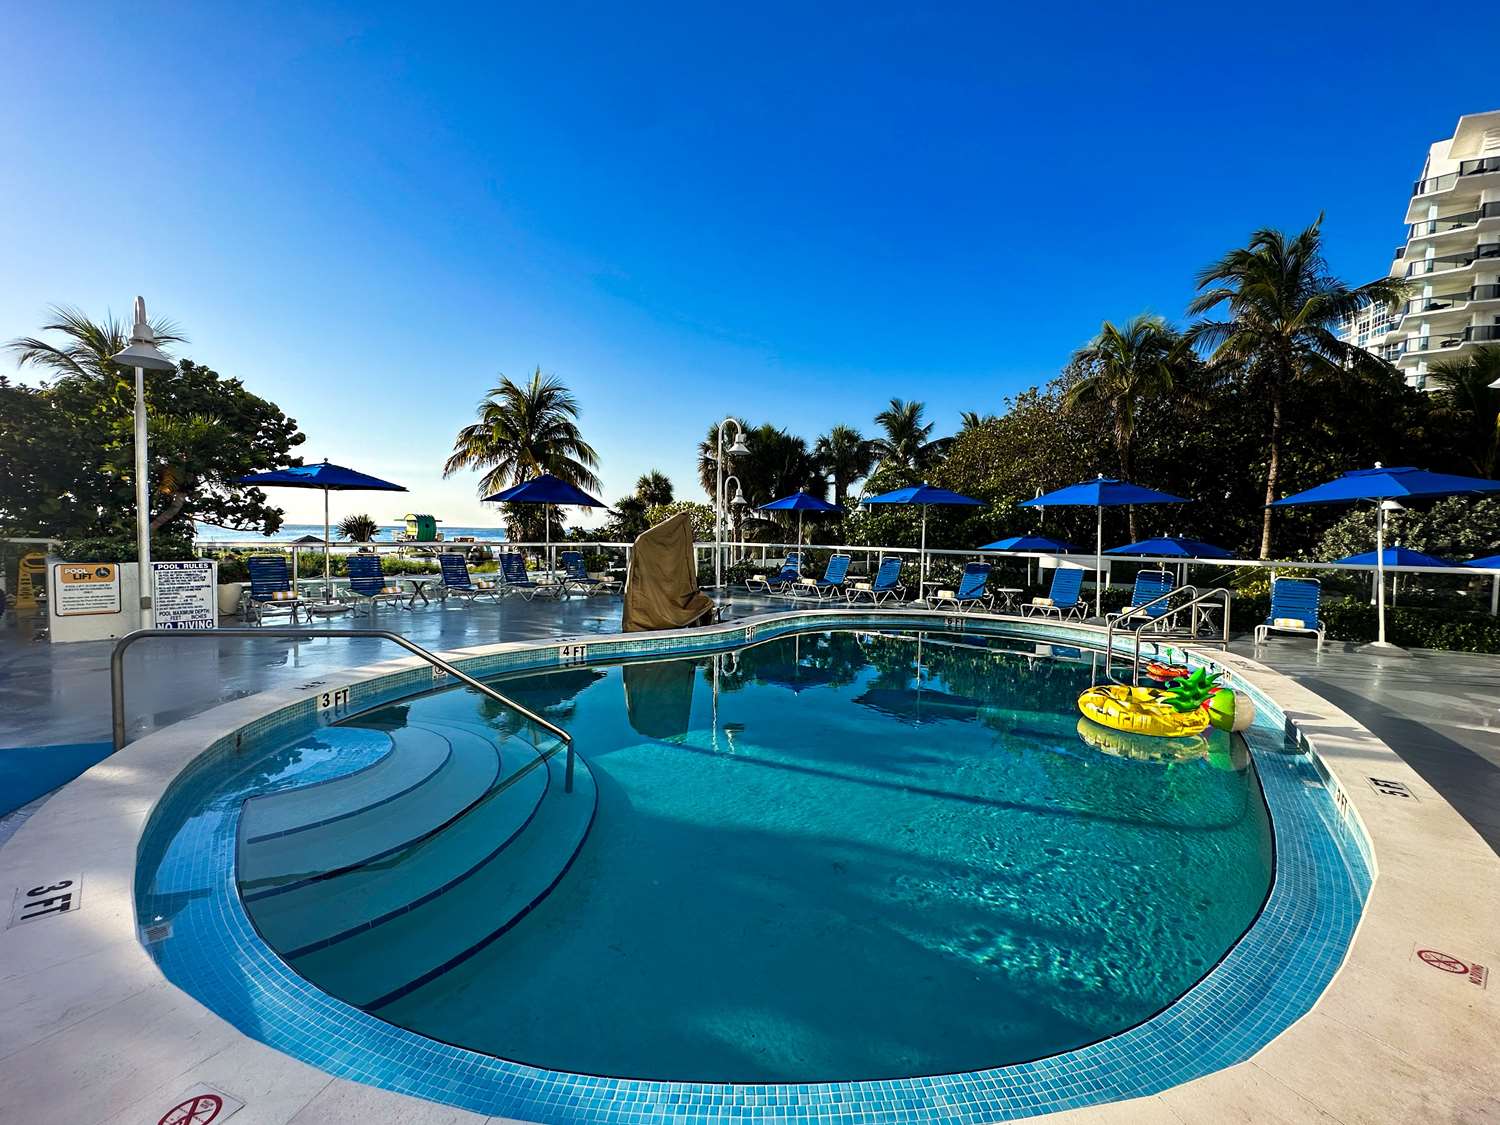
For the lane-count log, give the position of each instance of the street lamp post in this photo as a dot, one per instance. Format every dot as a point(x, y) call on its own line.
point(143, 355)
point(736, 447)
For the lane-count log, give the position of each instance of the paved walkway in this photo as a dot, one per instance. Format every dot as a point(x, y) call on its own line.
point(1440, 711)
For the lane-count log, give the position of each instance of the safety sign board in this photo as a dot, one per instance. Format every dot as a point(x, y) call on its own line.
point(84, 589)
point(185, 594)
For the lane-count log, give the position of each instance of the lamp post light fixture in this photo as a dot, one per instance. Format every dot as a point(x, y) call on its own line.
point(736, 502)
point(143, 355)
point(736, 448)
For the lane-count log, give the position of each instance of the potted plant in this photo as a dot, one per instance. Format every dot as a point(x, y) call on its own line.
point(233, 574)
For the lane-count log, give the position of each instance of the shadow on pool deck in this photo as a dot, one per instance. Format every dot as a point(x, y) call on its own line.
point(1438, 710)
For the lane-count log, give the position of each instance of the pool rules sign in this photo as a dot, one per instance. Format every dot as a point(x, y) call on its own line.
point(184, 595)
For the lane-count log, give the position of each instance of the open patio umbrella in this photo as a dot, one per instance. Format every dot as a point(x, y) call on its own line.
point(1031, 543)
point(800, 502)
point(1100, 493)
point(330, 478)
point(547, 490)
point(1172, 547)
point(1380, 484)
point(923, 495)
point(1395, 556)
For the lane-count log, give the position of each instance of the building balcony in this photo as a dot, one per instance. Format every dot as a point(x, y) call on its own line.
point(1446, 224)
point(1445, 262)
point(1479, 167)
point(1482, 334)
point(1450, 302)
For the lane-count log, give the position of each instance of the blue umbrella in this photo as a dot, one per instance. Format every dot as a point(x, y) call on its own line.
point(1030, 543)
point(1489, 562)
point(1381, 484)
point(547, 490)
point(1172, 547)
point(800, 502)
point(1100, 493)
point(1396, 556)
point(923, 495)
point(330, 478)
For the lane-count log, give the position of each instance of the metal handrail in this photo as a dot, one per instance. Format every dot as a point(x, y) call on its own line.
point(1221, 593)
point(117, 673)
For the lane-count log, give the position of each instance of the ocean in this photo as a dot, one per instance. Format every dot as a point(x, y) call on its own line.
point(291, 531)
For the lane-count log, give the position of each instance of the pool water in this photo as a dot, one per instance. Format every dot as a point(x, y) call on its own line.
point(832, 856)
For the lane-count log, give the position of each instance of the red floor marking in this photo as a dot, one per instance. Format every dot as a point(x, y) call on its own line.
point(1443, 961)
point(200, 1110)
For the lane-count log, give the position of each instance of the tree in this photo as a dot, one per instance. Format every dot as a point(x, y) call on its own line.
point(972, 420)
point(844, 456)
point(1283, 308)
point(67, 447)
point(653, 488)
point(905, 441)
point(1469, 401)
point(358, 529)
point(1121, 368)
point(524, 431)
point(86, 346)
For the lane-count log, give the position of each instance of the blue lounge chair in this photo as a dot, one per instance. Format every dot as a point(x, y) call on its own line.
point(458, 583)
point(270, 588)
point(827, 587)
point(886, 586)
point(368, 585)
point(1294, 609)
point(517, 581)
point(780, 579)
point(971, 590)
point(1150, 585)
point(577, 577)
point(1064, 597)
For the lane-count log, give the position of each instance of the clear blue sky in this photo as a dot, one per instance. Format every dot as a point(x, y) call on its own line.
point(794, 212)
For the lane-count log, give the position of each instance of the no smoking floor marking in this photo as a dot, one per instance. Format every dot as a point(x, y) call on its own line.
point(201, 1105)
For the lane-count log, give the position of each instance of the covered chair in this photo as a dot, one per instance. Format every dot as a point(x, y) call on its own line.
point(661, 588)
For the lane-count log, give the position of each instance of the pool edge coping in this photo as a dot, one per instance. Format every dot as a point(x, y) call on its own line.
point(1429, 862)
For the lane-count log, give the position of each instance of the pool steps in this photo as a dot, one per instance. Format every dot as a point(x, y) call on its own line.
point(379, 965)
point(314, 913)
point(385, 823)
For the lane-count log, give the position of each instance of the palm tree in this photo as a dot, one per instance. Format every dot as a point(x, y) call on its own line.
point(1468, 392)
point(654, 488)
point(905, 443)
point(844, 456)
point(972, 420)
point(1121, 368)
point(523, 432)
point(359, 528)
point(86, 346)
point(1283, 310)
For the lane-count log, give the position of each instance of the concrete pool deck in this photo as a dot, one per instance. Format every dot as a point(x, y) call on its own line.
point(94, 1033)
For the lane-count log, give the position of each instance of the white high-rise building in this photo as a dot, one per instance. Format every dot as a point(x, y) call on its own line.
point(1451, 258)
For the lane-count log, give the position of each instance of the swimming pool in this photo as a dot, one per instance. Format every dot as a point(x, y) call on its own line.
point(824, 859)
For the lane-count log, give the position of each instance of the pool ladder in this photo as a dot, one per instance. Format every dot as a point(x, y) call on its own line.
point(1202, 605)
point(117, 672)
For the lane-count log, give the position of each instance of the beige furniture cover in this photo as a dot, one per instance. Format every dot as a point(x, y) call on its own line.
point(661, 588)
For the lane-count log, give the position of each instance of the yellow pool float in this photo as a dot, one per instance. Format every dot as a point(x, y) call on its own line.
point(1140, 711)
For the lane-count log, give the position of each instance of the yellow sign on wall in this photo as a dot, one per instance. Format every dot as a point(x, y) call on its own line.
point(32, 566)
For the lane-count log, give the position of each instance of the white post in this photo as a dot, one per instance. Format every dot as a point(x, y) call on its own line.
point(1380, 571)
point(327, 553)
point(1495, 596)
point(799, 542)
point(142, 500)
point(1099, 562)
point(547, 536)
point(922, 580)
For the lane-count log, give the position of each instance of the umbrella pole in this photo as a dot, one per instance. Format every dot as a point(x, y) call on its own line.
point(1099, 562)
point(547, 535)
point(799, 542)
point(327, 553)
point(922, 583)
point(1380, 571)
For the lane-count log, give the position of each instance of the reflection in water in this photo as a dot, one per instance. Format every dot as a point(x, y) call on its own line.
point(659, 697)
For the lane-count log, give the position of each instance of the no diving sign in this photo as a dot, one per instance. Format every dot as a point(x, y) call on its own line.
point(200, 1106)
